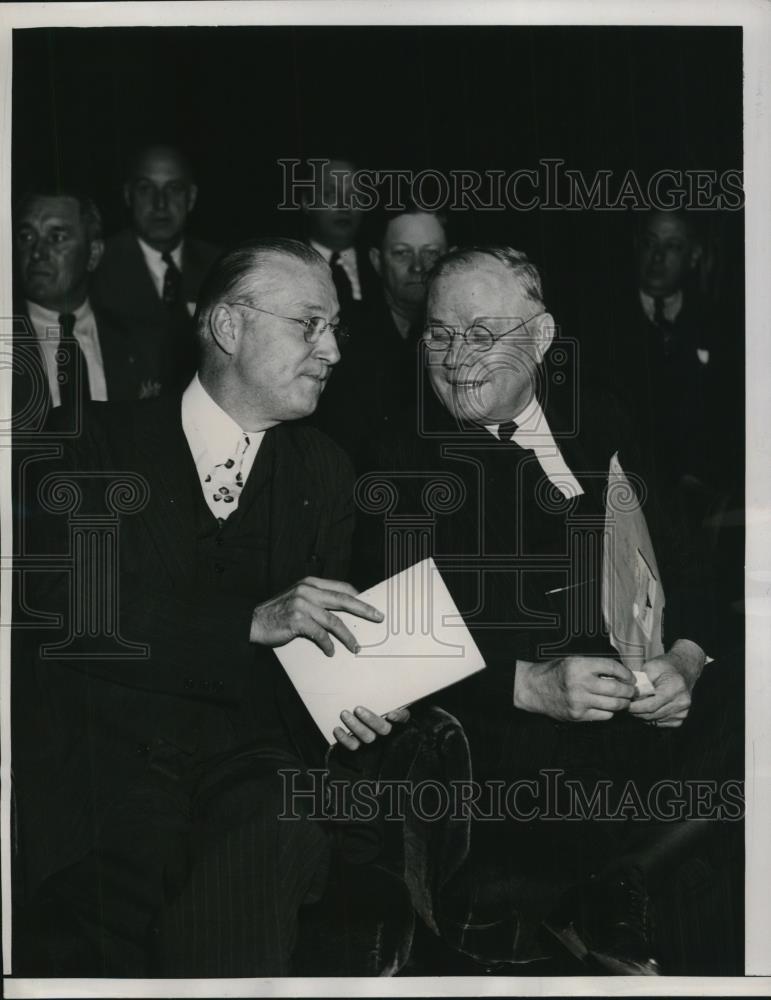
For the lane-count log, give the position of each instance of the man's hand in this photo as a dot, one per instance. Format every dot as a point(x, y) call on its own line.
point(673, 676)
point(574, 688)
point(365, 726)
point(307, 609)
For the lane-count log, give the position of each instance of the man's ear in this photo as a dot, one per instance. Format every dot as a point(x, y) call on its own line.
point(225, 328)
point(374, 259)
point(192, 195)
point(543, 334)
point(95, 252)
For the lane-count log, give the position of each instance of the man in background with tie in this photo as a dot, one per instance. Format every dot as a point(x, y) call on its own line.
point(375, 386)
point(505, 473)
point(332, 221)
point(152, 271)
point(147, 743)
point(664, 349)
point(66, 349)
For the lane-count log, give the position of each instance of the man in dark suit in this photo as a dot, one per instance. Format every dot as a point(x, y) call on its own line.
point(663, 350)
point(152, 272)
point(66, 349)
point(375, 385)
point(507, 489)
point(150, 723)
point(333, 219)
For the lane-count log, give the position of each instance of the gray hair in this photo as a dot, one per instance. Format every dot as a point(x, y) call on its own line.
point(234, 268)
point(524, 271)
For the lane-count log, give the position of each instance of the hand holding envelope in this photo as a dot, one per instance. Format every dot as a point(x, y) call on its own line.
point(419, 645)
point(308, 609)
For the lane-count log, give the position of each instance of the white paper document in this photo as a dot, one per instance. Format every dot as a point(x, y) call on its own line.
point(632, 595)
point(423, 645)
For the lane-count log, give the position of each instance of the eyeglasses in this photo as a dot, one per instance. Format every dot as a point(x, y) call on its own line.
point(480, 336)
point(313, 328)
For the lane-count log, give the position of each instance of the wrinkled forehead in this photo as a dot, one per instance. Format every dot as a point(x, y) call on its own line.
point(416, 229)
point(45, 210)
point(482, 287)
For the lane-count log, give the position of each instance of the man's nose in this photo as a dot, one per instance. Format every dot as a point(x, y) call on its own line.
point(39, 249)
point(657, 254)
point(327, 348)
point(452, 355)
point(159, 199)
point(416, 265)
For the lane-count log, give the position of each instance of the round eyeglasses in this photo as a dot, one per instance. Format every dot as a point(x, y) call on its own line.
point(480, 335)
point(313, 328)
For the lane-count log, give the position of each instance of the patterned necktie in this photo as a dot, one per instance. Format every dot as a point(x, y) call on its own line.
point(71, 371)
point(341, 280)
point(171, 280)
point(225, 482)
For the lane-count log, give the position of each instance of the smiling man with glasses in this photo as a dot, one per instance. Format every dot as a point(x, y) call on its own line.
point(507, 484)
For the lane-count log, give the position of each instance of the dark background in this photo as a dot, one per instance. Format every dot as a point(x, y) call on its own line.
point(470, 98)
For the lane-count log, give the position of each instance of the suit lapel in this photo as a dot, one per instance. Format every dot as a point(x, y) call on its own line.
point(141, 289)
point(165, 454)
point(293, 512)
point(591, 471)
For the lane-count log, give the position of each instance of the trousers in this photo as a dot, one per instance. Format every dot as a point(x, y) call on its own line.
point(194, 873)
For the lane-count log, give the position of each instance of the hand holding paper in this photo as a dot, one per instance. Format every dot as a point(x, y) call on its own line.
point(307, 609)
point(420, 645)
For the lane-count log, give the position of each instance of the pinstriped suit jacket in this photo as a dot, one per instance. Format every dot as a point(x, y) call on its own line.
point(80, 725)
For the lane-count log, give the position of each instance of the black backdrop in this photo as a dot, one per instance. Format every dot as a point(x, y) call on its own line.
point(238, 99)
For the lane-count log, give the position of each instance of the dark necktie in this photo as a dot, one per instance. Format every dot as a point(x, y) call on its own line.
point(342, 282)
point(663, 325)
point(171, 280)
point(71, 371)
point(507, 430)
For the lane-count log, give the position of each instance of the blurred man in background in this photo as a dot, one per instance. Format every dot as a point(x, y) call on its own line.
point(152, 271)
point(376, 386)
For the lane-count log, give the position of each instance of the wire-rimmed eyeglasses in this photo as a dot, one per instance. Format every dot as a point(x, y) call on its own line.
point(314, 328)
point(480, 335)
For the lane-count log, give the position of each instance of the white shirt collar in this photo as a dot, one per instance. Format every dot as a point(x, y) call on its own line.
point(154, 257)
point(531, 420)
point(348, 255)
point(211, 432)
point(43, 319)
point(533, 434)
point(672, 304)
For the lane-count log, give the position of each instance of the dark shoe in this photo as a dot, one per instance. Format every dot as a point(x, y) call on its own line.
point(608, 923)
